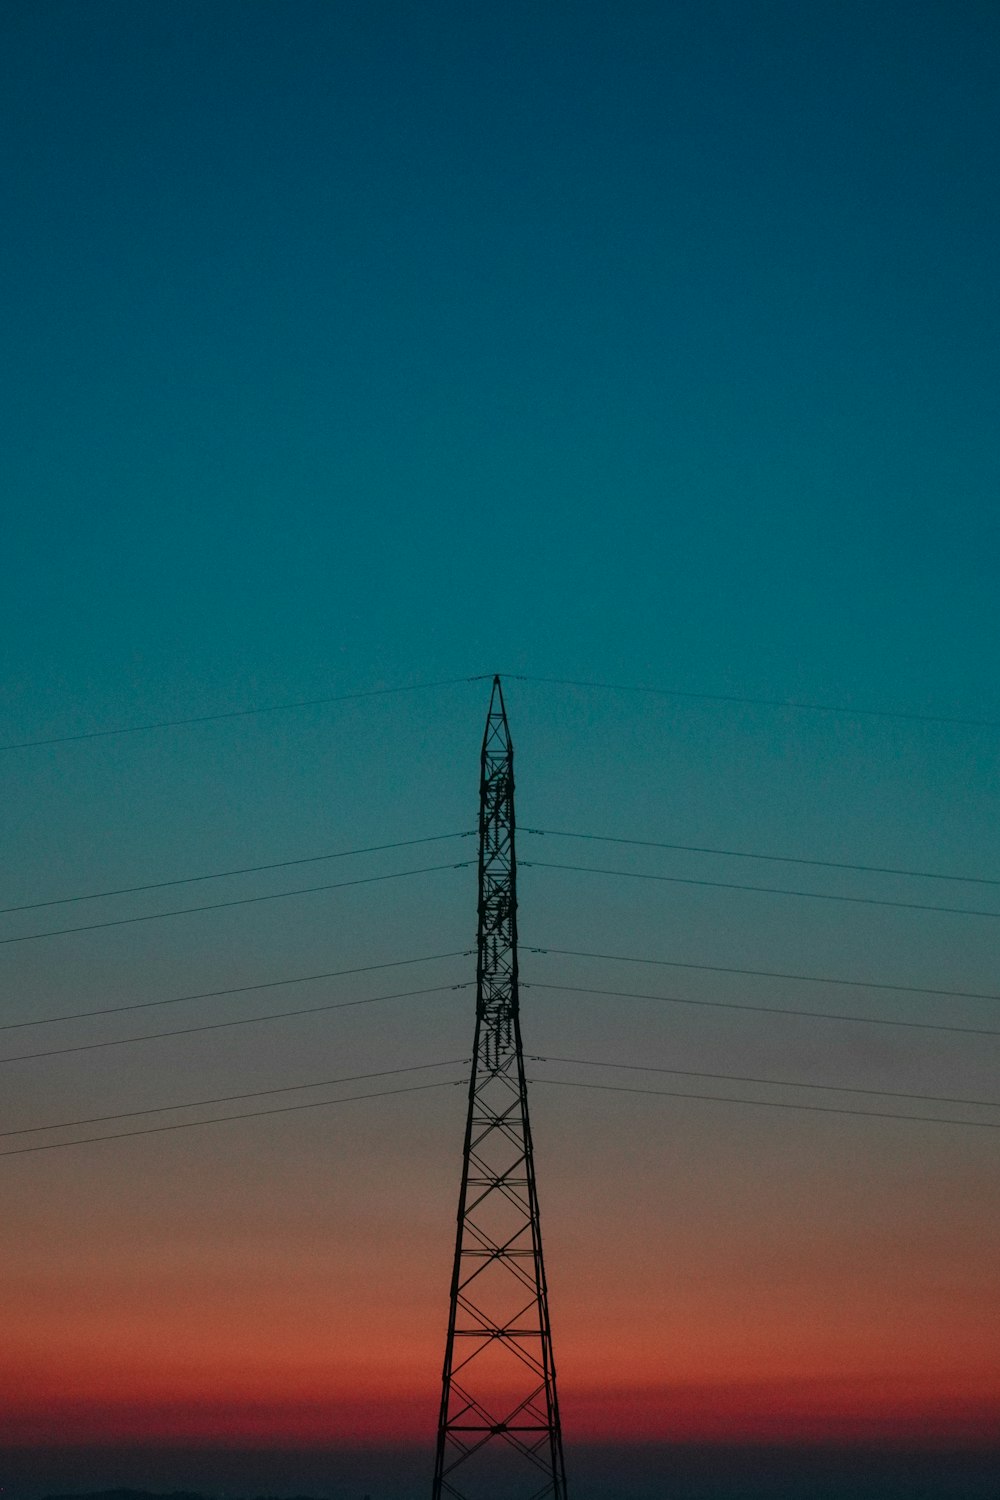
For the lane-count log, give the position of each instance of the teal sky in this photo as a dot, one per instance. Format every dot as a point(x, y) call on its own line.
point(655, 342)
point(360, 345)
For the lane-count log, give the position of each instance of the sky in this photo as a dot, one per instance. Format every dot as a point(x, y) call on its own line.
point(361, 347)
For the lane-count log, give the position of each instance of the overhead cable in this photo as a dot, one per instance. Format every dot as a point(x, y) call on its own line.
point(464, 1061)
point(281, 864)
point(242, 713)
point(779, 1083)
point(236, 989)
point(250, 1114)
point(858, 984)
point(460, 1082)
point(767, 890)
point(769, 1010)
point(418, 687)
point(290, 1088)
point(780, 859)
point(185, 911)
point(819, 1109)
point(782, 703)
point(284, 864)
point(277, 1015)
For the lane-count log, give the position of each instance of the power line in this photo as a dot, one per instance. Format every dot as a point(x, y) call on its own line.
point(768, 890)
point(159, 1109)
point(781, 859)
point(859, 984)
point(239, 989)
point(786, 703)
point(250, 1114)
point(459, 1082)
point(780, 1083)
point(820, 1109)
point(461, 1061)
point(770, 1010)
point(273, 708)
point(281, 864)
point(269, 984)
point(278, 1015)
point(242, 713)
point(185, 911)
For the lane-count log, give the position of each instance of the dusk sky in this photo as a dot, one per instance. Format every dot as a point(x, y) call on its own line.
point(368, 346)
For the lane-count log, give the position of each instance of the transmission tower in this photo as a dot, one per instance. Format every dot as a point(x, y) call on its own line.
point(499, 1436)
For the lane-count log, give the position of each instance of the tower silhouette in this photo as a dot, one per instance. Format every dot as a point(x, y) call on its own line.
point(499, 1436)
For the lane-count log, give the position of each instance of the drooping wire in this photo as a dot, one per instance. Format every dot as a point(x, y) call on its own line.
point(278, 1015)
point(780, 1083)
point(780, 703)
point(236, 989)
point(463, 1061)
point(768, 1010)
point(860, 984)
point(274, 708)
point(767, 890)
point(460, 1082)
point(290, 1088)
point(396, 963)
point(242, 713)
point(308, 859)
point(780, 859)
point(819, 1109)
point(185, 911)
point(250, 1114)
point(529, 984)
point(281, 864)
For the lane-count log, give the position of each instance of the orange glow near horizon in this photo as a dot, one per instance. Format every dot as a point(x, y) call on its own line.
point(313, 1343)
point(274, 1400)
point(914, 1413)
point(711, 1285)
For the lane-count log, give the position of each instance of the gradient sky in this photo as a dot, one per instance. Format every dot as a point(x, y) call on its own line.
point(361, 345)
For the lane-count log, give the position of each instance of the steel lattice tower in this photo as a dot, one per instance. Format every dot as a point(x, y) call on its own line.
point(499, 1436)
